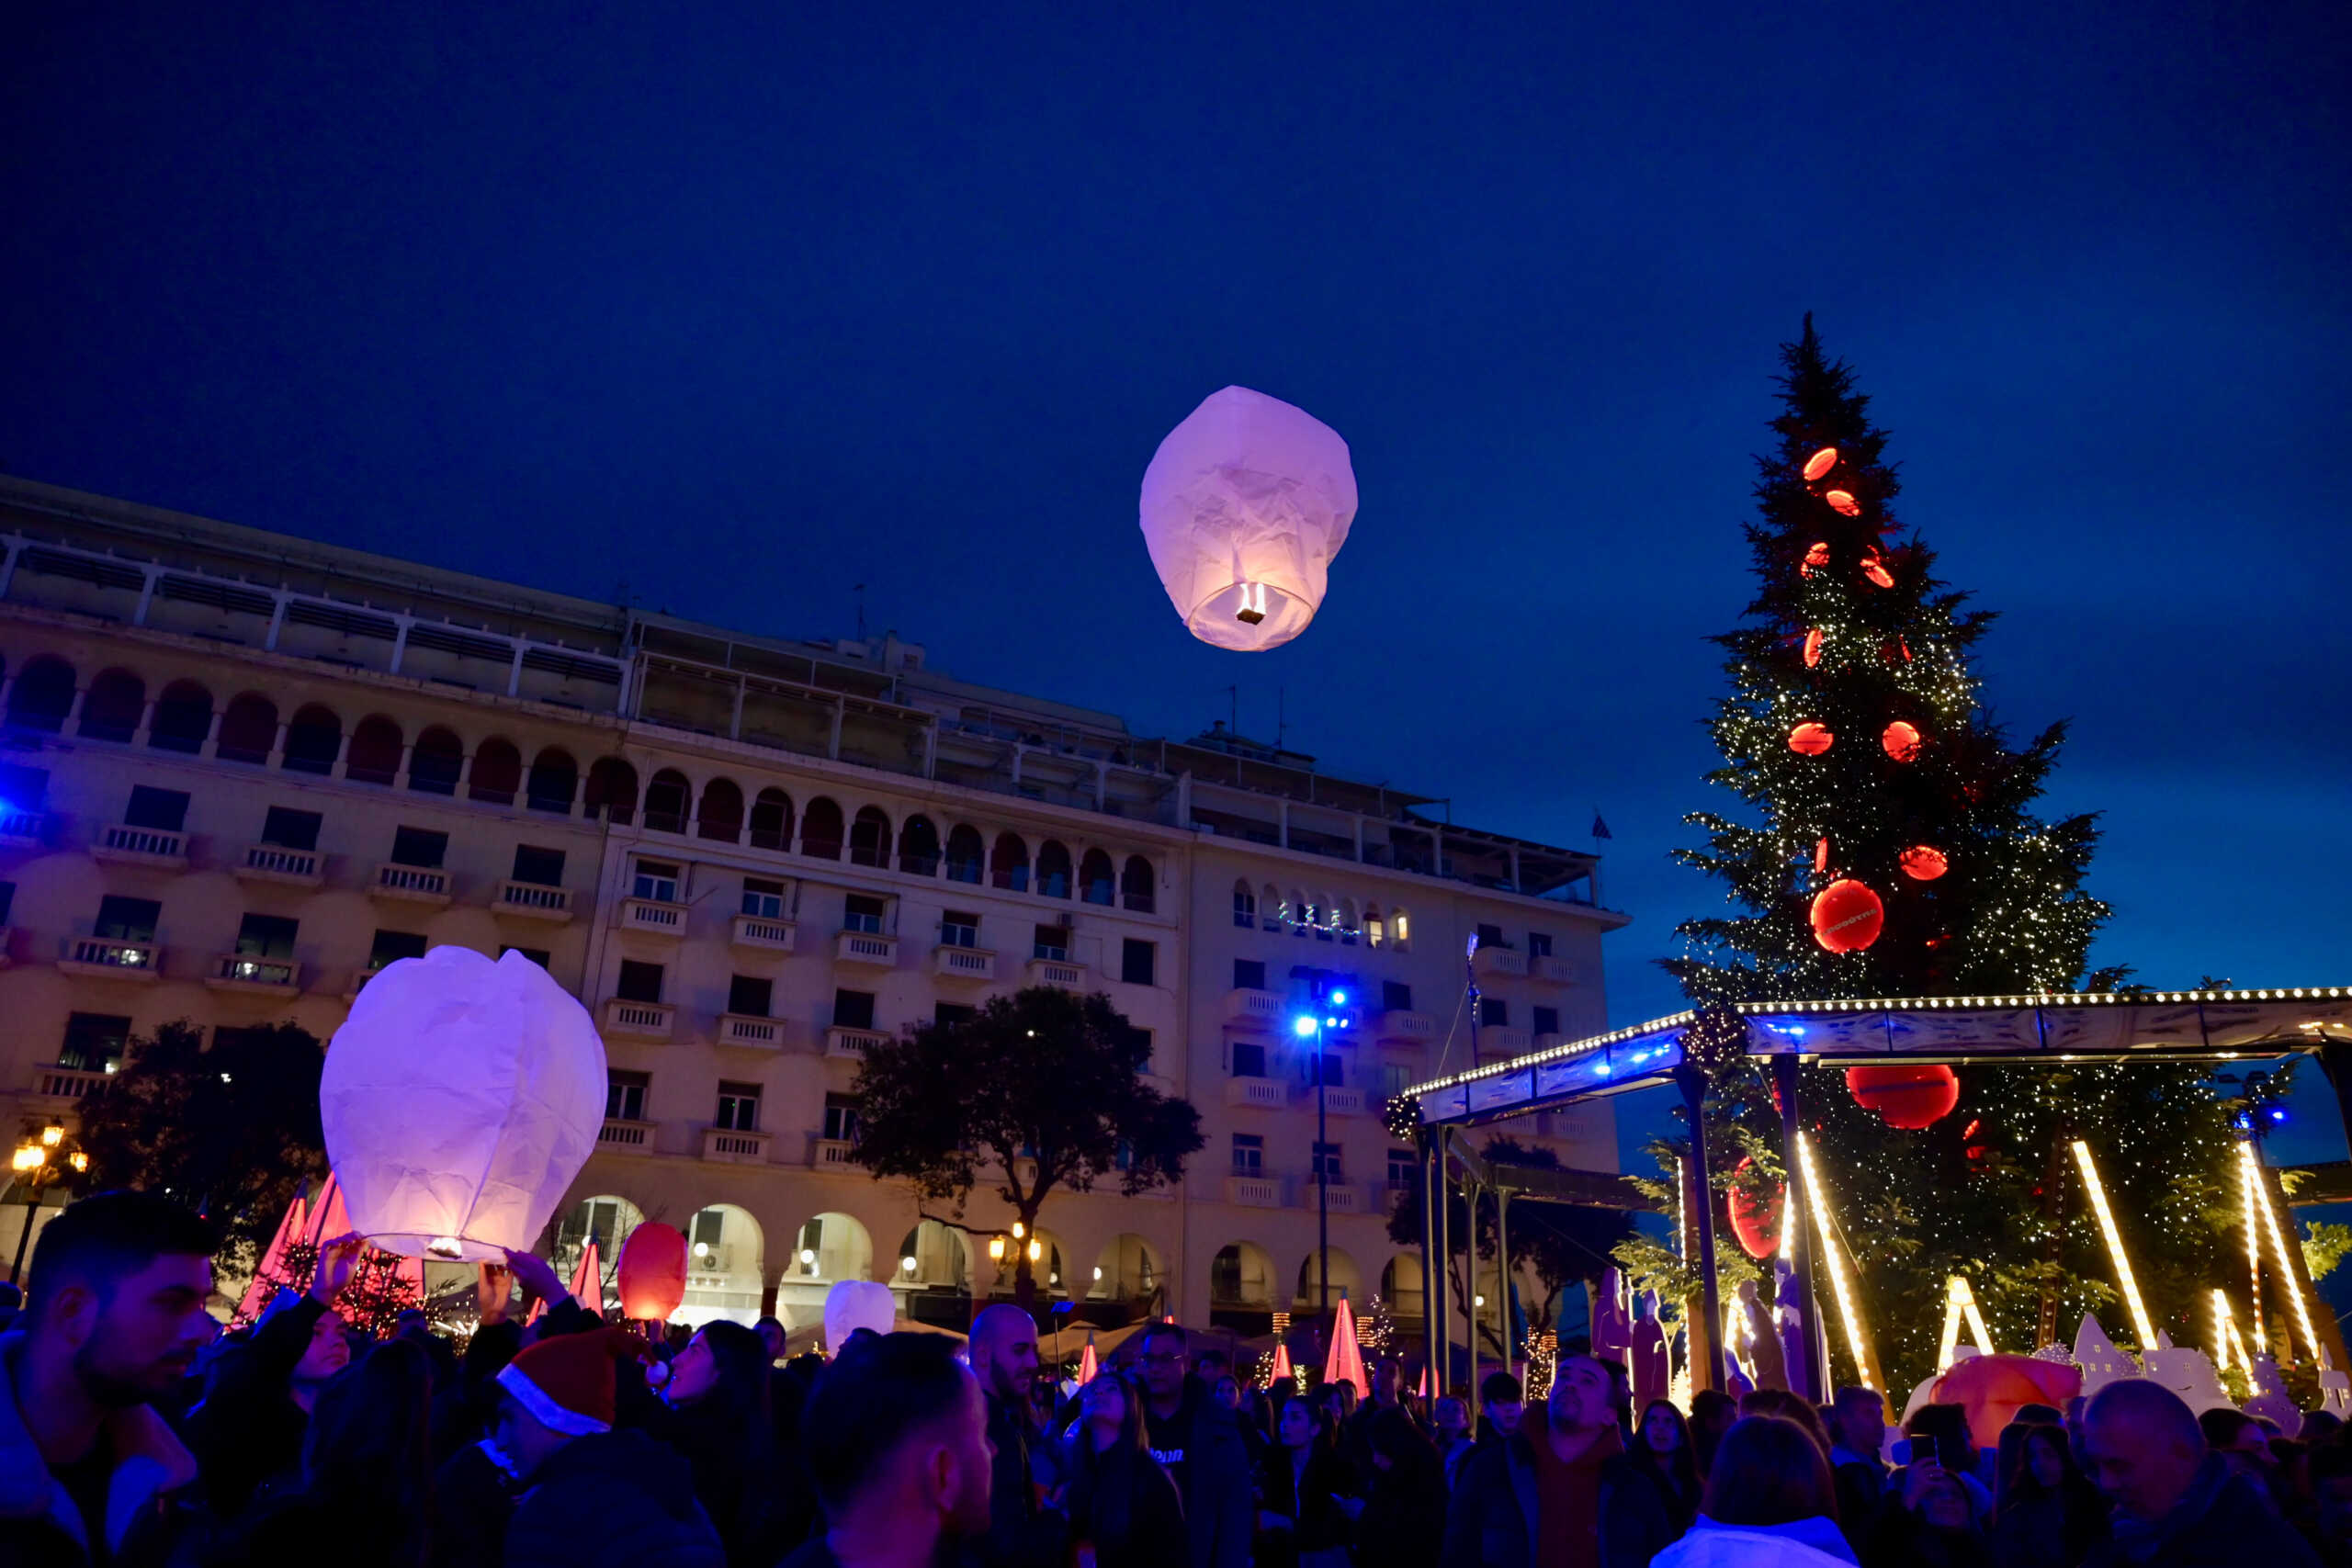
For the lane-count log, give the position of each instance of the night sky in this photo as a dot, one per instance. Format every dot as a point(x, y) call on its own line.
point(728, 310)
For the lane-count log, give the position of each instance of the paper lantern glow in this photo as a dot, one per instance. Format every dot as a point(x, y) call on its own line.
point(852, 1305)
point(1820, 463)
point(458, 1101)
point(1810, 740)
point(1847, 916)
point(1901, 741)
point(1910, 1095)
point(653, 1273)
point(1243, 507)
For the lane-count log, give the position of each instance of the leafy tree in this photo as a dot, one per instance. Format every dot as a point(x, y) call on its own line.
point(1037, 1092)
point(231, 1129)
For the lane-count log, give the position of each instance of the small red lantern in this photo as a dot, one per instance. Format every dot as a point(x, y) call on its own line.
point(1847, 916)
point(1810, 740)
point(1874, 568)
point(1816, 558)
point(653, 1273)
point(1923, 863)
point(1911, 1096)
point(1756, 1221)
point(1812, 647)
point(1821, 854)
point(1842, 501)
point(1820, 463)
point(1902, 741)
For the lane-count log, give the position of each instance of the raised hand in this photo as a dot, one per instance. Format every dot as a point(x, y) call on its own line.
point(337, 1260)
point(536, 1275)
point(492, 1282)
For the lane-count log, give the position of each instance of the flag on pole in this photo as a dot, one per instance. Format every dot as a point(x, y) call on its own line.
point(1346, 1357)
point(1599, 828)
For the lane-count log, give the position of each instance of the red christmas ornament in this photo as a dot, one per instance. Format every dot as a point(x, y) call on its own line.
point(1902, 741)
point(1818, 555)
point(1812, 647)
point(1820, 463)
point(1821, 854)
point(1923, 863)
point(1910, 1097)
point(1847, 916)
point(1874, 568)
point(1841, 500)
point(1810, 740)
point(1756, 1221)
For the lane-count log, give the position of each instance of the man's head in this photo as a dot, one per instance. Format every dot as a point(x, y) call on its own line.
point(2143, 1446)
point(1621, 1384)
point(119, 1282)
point(1163, 1362)
point(1501, 1400)
point(1858, 1421)
point(771, 1333)
point(1004, 1352)
point(2239, 1439)
point(904, 1435)
point(1452, 1418)
point(1385, 1380)
point(1211, 1365)
point(1581, 1397)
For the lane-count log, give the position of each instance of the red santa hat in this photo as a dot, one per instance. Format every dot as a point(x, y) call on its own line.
point(566, 1382)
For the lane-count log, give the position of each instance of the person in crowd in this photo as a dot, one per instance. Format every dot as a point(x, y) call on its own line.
point(250, 1427)
point(367, 1478)
point(1210, 1365)
point(771, 1333)
point(1403, 1522)
point(718, 1398)
point(1387, 1386)
point(1711, 1414)
point(2242, 1443)
point(1621, 1384)
point(1124, 1509)
point(1450, 1417)
point(1300, 1520)
point(1780, 1402)
point(2175, 1503)
point(1856, 1436)
point(591, 1495)
point(1662, 1451)
point(1932, 1522)
point(1501, 1405)
point(2050, 1516)
point(2320, 1427)
point(1023, 1533)
point(88, 1471)
point(1770, 1503)
point(1560, 1493)
point(1939, 1435)
point(1197, 1442)
point(2329, 1526)
point(904, 1473)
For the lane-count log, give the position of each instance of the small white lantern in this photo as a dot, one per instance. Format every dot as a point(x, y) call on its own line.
point(459, 1099)
point(1244, 505)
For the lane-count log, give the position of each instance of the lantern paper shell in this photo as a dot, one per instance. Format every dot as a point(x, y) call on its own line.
point(1911, 1096)
point(1812, 647)
point(653, 1273)
point(1756, 1221)
point(1847, 916)
point(852, 1305)
point(1816, 558)
point(1810, 740)
point(1820, 463)
point(1243, 507)
point(1923, 863)
point(458, 1101)
point(1901, 741)
point(1874, 568)
point(1842, 501)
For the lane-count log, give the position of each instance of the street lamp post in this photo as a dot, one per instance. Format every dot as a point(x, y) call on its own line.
point(1311, 1025)
point(41, 1161)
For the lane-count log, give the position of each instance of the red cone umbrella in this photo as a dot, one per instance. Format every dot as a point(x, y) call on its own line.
point(1346, 1359)
point(1281, 1364)
point(290, 1227)
point(1087, 1366)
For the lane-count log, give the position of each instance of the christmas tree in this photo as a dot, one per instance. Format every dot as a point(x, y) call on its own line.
point(1889, 847)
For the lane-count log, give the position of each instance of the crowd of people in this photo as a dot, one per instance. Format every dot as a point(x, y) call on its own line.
point(135, 1435)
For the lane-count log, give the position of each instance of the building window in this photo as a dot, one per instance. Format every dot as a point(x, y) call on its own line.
point(1394, 1079)
point(751, 996)
point(862, 913)
point(1404, 1170)
point(763, 899)
point(639, 981)
point(1052, 944)
point(957, 929)
point(127, 920)
point(1494, 1010)
point(625, 1095)
point(420, 847)
point(1327, 1162)
point(1539, 944)
point(1248, 974)
point(1402, 929)
point(1245, 908)
point(160, 810)
point(1491, 936)
point(1249, 1060)
point(853, 1009)
point(540, 868)
point(291, 829)
point(1547, 1021)
point(1248, 1154)
point(389, 947)
point(1395, 996)
point(947, 1015)
point(1329, 1062)
point(841, 1118)
point(739, 1107)
point(1137, 962)
point(93, 1042)
point(656, 881)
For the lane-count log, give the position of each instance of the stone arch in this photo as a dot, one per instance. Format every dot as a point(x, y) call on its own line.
point(1097, 883)
point(554, 780)
point(612, 791)
point(313, 740)
point(668, 798)
point(608, 1218)
point(375, 755)
point(1128, 1269)
point(1008, 863)
point(942, 1259)
point(1345, 1276)
point(434, 763)
point(830, 1248)
point(1051, 1270)
point(249, 730)
point(1245, 904)
point(966, 854)
point(919, 847)
point(1400, 928)
point(1349, 922)
point(498, 772)
point(1242, 1275)
point(1054, 871)
point(821, 830)
point(183, 719)
point(1400, 1285)
point(43, 695)
point(721, 815)
point(1139, 887)
point(771, 820)
point(1375, 927)
point(116, 703)
point(726, 1271)
point(869, 837)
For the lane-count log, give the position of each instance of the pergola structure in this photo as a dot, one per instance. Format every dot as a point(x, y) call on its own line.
point(2195, 1026)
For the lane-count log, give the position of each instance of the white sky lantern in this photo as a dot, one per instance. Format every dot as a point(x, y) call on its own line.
point(1244, 505)
point(459, 1099)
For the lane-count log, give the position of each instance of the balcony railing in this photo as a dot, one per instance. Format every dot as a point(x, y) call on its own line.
point(1501, 1040)
point(1254, 1191)
point(642, 1020)
point(1499, 963)
point(410, 883)
point(275, 863)
point(1260, 1009)
point(1058, 972)
point(617, 1134)
point(245, 971)
point(1266, 1094)
point(729, 1145)
point(963, 962)
point(851, 1042)
point(1552, 971)
point(651, 914)
point(534, 901)
point(140, 846)
point(55, 1082)
point(1404, 1028)
point(24, 829)
point(112, 958)
point(866, 947)
point(833, 1154)
point(742, 1029)
point(1337, 1102)
point(1345, 1197)
point(763, 931)
point(1548, 1040)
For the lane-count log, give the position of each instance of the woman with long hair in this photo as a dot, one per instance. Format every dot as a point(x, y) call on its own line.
point(1125, 1511)
point(2051, 1515)
point(717, 1397)
point(367, 1469)
point(1403, 1523)
point(1662, 1451)
point(1770, 1503)
point(1300, 1520)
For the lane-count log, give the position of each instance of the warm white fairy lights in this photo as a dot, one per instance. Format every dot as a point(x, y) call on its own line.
point(2130, 1286)
point(2249, 1181)
point(1960, 1302)
point(1848, 1312)
point(2278, 1246)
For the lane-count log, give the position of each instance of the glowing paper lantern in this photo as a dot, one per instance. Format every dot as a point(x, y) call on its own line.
point(1923, 863)
point(852, 1305)
point(653, 1273)
point(1243, 507)
point(459, 1099)
point(1810, 740)
point(1816, 558)
point(1820, 463)
point(1847, 916)
point(1994, 1387)
point(1901, 740)
point(1874, 568)
point(1841, 500)
point(1756, 1222)
point(1909, 1095)
point(1812, 647)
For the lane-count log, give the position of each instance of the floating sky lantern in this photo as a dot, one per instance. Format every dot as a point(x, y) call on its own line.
point(1923, 863)
point(1842, 501)
point(1243, 507)
point(1820, 463)
point(1847, 916)
point(1901, 741)
point(1810, 740)
point(652, 1274)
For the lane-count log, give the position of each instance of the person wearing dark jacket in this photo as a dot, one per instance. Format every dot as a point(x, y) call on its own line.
point(2175, 1503)
point(1302, 1520)
point(1403, 1522)
point(1123, 1511)
point(593, 1497)
point(249, 1430)
point(716, 1401)
point(1024, 1530)
point(1196, 1440)
point(367, 1469)
point(1577, 1502)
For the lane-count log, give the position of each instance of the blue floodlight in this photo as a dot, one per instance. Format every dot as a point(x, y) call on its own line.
point(1339, 998)
point(1303, 1027)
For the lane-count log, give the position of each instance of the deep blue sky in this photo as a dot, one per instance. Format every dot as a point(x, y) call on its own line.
point(742, 306)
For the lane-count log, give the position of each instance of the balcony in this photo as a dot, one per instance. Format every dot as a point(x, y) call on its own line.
point(1404, 1028)
point(851, 1043)
point(1254, 1191)
point(109, 958)
point(533, 901)
point(639, 1021)
point(866, 947)
point(1550, 1040)
point(1501, 1040)
point(1498, 963)
point(262, 977)
point(623, 1135)
point(757, 1034)
point(730, 1147)
point(652, 915)
point(1266, 1094)
point(1552, 971)
point(1345, 1198)
point(1058, 972)
point(963, 962)
point(142, 846)
point(275, 863)
point(1253, 1008)
point(833, 1154)
point(24, 829)
point(67, 1084)
point(410, 883)
point(1337, 1102)
point(763, 932)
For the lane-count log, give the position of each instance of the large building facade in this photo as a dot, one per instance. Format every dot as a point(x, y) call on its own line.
point(242, 771)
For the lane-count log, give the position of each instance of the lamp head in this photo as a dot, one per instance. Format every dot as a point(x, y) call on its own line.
point(1303, 1026)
